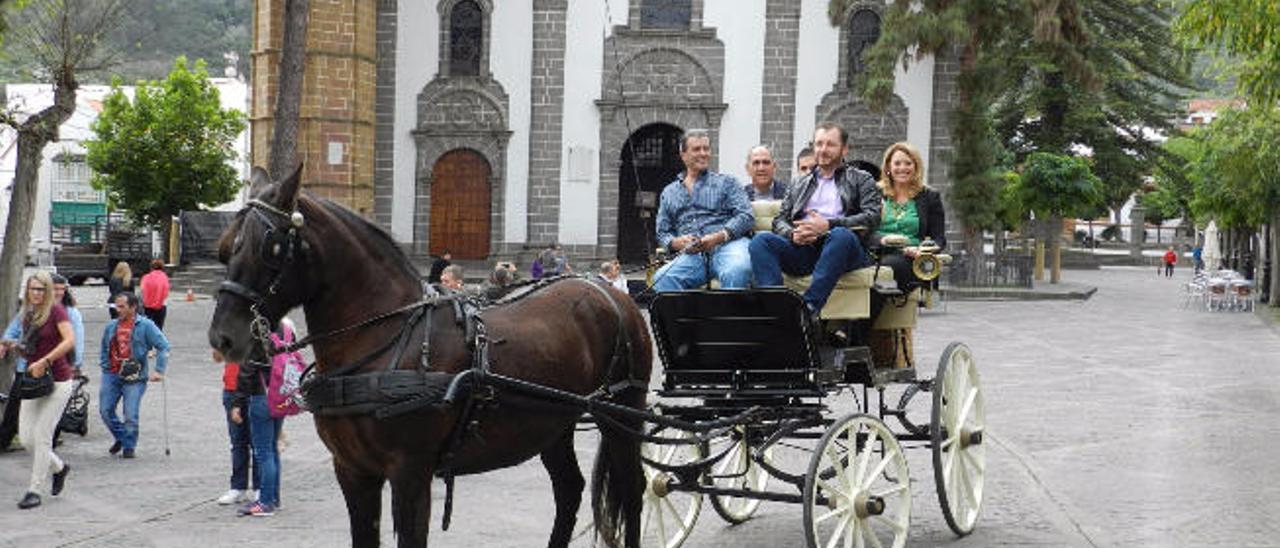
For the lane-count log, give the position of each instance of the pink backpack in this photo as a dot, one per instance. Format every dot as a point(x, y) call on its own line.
point(286, 376)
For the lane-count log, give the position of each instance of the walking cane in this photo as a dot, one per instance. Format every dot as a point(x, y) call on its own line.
point(164, 392)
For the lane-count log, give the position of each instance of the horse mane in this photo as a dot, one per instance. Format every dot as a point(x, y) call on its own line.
point(375, 236)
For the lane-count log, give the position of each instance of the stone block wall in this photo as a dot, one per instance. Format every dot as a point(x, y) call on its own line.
point(337, 113)
point(778, 96)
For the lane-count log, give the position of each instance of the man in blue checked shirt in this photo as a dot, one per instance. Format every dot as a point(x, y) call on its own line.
point(703, 216)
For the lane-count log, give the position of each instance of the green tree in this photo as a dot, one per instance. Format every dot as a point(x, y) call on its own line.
point(168, 150)
point(63, 39)
point(977, 34)
point(1100, 74)
point(1248, 31)
point(1054, 186)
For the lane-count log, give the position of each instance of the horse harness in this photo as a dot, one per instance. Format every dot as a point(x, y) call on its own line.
point(391, 391)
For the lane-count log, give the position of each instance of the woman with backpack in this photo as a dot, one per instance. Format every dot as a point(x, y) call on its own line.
point(257, 401)
point(47, 338)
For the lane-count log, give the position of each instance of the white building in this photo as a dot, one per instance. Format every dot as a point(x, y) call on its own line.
point(516, 123)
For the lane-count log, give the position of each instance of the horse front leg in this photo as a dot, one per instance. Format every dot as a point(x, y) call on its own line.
point(567, 484)
point(363, 493)
point(411, 505)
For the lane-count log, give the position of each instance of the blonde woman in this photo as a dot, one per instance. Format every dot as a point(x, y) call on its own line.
point(121, 282)
point(912, 211)
point(47, 339)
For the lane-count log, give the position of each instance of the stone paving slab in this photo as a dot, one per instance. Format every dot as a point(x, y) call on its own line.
point(1121, 421)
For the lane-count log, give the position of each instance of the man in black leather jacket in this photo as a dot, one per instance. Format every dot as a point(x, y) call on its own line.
point(823, 224)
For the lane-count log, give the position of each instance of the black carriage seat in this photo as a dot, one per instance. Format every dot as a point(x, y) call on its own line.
point(738, 344)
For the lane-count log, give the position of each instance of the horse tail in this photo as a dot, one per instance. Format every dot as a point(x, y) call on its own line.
point(617, 482)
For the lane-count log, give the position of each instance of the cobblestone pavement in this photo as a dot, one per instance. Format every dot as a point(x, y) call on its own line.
point(1123, 420)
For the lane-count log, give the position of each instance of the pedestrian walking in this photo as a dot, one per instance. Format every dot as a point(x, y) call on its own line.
point(125, 344)
point(1170, 258)
point(121, 281)
point(241, 442)
point(250, 407)
point(47, 339)
point(62, 295)
point(155, 293)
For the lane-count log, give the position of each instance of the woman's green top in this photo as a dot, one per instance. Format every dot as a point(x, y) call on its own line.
point(901, 219)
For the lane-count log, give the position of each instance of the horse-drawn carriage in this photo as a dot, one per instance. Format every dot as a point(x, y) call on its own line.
point(410, 385)
point(756, 359)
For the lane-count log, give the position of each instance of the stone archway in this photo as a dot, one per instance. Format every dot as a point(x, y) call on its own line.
point(650, 160)
point(654, 80)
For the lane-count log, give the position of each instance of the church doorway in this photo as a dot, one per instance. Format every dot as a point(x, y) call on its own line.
point(650, 160)
point(460, 205)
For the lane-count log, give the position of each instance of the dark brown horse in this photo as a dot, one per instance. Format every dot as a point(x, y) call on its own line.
point(287, 250)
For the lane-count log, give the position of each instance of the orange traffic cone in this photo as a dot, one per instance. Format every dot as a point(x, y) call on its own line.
point(191, 294)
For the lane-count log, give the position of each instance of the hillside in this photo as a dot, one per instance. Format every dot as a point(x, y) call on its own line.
point(156, 32)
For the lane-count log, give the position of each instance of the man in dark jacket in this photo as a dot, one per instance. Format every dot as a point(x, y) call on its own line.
point(438, 266)
point(822, 223)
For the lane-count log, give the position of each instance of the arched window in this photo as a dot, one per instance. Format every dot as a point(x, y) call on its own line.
point(466, 34)
point(864, 30)
point(665, 14)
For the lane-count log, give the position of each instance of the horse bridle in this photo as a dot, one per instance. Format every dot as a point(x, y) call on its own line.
point(282, 244)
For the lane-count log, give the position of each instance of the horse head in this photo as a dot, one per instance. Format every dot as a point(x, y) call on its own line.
point(266, 255)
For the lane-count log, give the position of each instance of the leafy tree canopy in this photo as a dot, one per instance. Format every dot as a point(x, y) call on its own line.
point(168, 150)
point(1058, 185)
point(1238, 168)
point(1248, 31)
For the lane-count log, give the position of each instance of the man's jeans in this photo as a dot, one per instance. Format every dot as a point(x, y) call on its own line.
point(828, 259)
point(113, 390)
point(240, 443)
point(265, 431)
point(730, 263)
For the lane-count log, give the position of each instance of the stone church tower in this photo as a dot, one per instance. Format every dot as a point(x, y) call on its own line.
point(337, 116)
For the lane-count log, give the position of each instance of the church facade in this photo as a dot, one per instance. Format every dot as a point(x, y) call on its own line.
point(494, 127)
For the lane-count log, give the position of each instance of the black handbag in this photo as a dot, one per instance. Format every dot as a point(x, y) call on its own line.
point(130, 370)
point(30, 388)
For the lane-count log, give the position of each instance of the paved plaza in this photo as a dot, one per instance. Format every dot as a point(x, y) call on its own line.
point(1119, 421)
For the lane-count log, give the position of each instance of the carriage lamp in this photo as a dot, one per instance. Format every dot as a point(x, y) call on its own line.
point(296, 219)
point(927, 266)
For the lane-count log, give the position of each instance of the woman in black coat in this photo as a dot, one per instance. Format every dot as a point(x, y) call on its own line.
point(912, 213)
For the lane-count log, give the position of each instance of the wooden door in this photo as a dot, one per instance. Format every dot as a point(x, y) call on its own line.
point(460, 202)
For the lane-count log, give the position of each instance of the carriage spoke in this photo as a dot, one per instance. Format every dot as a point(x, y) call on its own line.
point(863, 458)
point(854, 538)
point(838, 465)
point(837, 490)
point(871, 536)
point(969, 399)
point(662, 525)
point(898, 528)
point(837, 512)
point(835, 535)
point(871, 478)
point(895, 490)
point(970, 493)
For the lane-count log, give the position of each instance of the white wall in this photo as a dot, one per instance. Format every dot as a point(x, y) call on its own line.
point(417, 60)
point(740, 24)
point(588, 21)
point(511, 61)
point(915, 86)
point(818, 67)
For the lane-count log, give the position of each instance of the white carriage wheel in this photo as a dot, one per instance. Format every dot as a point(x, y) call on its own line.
point(959, 423)
point(668, 515)
point(858, 489)
point(737, 470)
